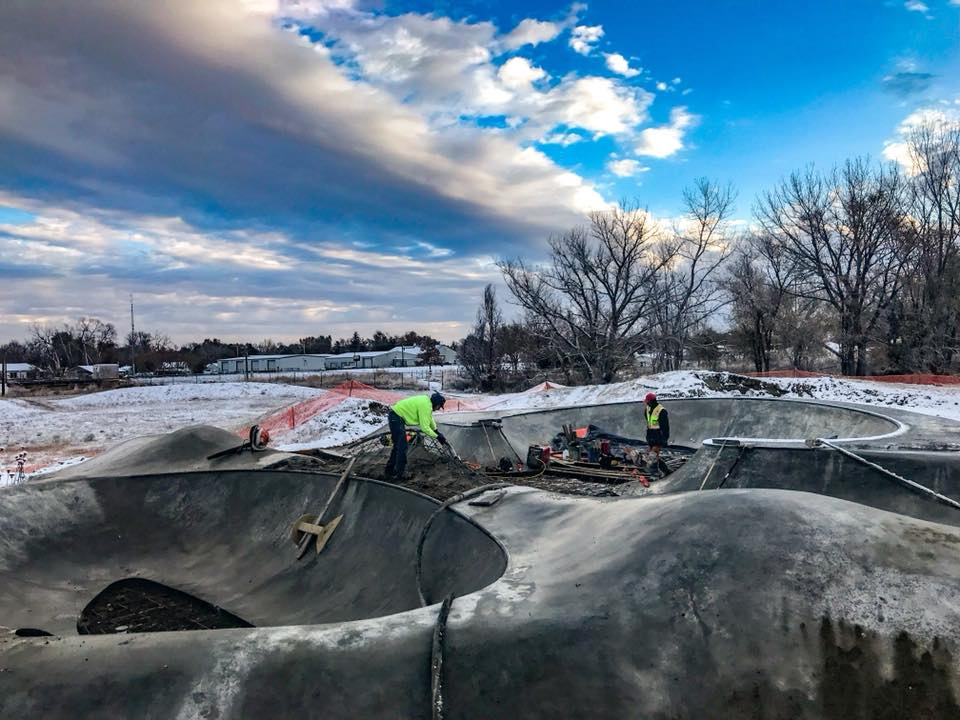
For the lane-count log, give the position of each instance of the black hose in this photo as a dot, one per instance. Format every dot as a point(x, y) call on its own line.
point(426, 528)
point(436, 659)
point(743, 450)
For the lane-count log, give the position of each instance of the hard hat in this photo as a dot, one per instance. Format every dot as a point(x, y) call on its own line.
point(649, 397)
point(437, 400)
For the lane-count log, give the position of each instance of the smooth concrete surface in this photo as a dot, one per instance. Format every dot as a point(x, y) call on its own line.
point(778, 458)
point(739, 604)
point(691, 421)
point(797, 584)
point(184, 450)
point(225, 538)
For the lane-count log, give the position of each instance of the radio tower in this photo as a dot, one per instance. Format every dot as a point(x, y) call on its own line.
point(133, 341)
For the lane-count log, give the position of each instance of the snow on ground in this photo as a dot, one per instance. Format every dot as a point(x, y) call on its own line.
point(927, 399)
point(350, 420)
point(57, 430)
point(52, 429)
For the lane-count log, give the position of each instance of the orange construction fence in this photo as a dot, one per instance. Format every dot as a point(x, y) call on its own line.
point(301, 412)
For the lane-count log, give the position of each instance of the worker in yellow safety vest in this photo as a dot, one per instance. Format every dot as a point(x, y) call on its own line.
point(658, 432)
point(415, 410)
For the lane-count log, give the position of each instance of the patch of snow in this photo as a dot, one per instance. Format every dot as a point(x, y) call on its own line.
point(54, 429)
point(926, 399)
point(350, 420)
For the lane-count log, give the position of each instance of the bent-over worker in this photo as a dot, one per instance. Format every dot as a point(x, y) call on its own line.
point(415, 410)
point(658, 432)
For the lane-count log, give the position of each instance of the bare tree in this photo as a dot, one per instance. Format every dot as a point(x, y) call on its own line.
point(929, 311)
point(686, 291)
point(846, 234)
point(480, 351)
point(592, 301)
point(764, 308)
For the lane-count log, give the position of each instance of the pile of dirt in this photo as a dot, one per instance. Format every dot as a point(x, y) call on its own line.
point(731, 382)
point(434, 472)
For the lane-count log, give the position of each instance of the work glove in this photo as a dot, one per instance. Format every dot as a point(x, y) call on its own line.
point(441, 439)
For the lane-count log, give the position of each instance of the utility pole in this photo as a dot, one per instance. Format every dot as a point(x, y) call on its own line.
point(3, 376)
point(133, 340)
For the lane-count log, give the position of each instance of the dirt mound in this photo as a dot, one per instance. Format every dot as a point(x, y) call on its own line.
point(731, 382)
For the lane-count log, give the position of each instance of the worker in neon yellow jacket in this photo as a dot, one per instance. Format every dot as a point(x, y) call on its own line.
point(415, 410)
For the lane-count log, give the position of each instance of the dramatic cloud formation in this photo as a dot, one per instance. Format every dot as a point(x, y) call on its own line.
point(309, 153)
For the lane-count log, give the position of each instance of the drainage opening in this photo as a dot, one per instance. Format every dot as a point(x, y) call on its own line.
point(135, 605)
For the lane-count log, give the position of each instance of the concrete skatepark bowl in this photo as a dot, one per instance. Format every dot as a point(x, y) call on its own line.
point(807, 587)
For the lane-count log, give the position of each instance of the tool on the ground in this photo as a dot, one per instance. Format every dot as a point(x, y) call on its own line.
point(257, 440)
point(308, 527)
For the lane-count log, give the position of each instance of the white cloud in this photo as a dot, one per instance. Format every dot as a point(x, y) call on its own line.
point(531, 32)
point(248, 284)
point(661, 86)
point(561, 138)
point(583, 38)
point(625, 167)
point(916, 6)
point(897, 149)
point(618, 63)
point(600, 105)
point(663, 141)
point(518, 74)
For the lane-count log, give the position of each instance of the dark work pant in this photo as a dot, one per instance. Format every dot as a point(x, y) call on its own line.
point(398, 455)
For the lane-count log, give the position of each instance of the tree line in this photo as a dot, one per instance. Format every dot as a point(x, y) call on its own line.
point(89, 341)
point(861, 262)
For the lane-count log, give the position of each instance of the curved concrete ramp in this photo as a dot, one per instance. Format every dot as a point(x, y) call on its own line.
point(691, 422)
point(739, 605)
point(184, 450)
point(225, 539)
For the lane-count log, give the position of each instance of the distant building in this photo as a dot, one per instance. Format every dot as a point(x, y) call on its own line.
point(401, 356)
point(272, 363)
point(101, 371)
point(21, 371)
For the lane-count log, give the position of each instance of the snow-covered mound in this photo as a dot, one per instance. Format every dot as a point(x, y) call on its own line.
point(57, 429)
point(930, 400)
point(351, 420)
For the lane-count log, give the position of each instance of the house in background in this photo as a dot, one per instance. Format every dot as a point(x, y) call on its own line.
point(400, 356)
point(21, 371)
point(101, 371)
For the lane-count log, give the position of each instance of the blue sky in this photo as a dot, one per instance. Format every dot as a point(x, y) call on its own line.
point(278, 168)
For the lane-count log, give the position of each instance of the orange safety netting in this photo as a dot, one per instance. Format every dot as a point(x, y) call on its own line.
point(301, 412)
point(912, 379)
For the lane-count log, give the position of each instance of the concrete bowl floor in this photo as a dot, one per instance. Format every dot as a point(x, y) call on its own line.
point(225, 539)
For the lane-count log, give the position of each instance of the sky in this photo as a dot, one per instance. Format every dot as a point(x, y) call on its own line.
point(280, 168)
